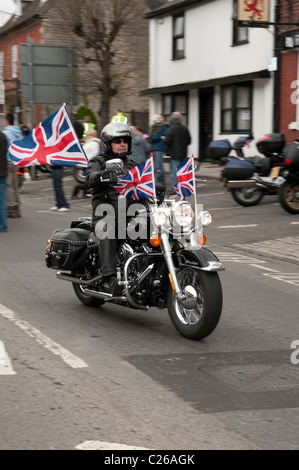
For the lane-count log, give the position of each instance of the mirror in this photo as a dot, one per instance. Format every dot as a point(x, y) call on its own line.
point(114, 164)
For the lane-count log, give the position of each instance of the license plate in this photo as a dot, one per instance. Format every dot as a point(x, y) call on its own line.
point(275, 172)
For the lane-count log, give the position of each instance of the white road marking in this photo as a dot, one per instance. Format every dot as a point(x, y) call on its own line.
point(264, 267)
point(103, 445)
point(69, 358)
point(289, 278)
point(5, 363)
point(238, 226)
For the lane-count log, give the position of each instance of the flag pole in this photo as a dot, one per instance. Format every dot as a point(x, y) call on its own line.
point(154, 181)
point(195, 195)
point(71, 124)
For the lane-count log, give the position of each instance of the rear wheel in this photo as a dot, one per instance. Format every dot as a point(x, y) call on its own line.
point(201, 319)
point(247, 196)
point(86, 299)
point(289, 197)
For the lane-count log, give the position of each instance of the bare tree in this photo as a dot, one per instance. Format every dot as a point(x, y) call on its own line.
point(98, 27)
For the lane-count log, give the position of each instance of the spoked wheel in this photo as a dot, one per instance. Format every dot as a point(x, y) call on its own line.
point(289, 197)
point(197, 316)
point(247, 196)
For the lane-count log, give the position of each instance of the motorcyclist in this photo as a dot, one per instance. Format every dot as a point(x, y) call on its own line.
point(116, 139)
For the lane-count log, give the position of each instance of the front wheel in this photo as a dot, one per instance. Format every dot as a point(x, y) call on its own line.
point(201, 319)
point(289, 197)
point(247, 196)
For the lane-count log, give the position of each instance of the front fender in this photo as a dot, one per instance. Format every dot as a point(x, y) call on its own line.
point(202, 259)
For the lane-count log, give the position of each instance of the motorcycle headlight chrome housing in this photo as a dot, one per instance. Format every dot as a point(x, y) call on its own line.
point(182, 214)
point(205, 218)
point(160, 217)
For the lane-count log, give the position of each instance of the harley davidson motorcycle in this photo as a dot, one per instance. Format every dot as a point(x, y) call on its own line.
point(250, 178)
point(162, 263)
point(289, 189)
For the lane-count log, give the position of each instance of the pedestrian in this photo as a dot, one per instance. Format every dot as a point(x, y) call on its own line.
point(13, 198)
point(116, 140)
point(77, 125)
point(92, 148)
point(177, 140)
point(3, 177)
point(140, 146)
point(157, 133)
point(61, 202)
point(119, 117)
point(87, 126)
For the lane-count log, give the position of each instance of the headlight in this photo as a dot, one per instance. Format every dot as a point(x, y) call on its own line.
point(160, 218)
point(183, 214)
point(205, 218)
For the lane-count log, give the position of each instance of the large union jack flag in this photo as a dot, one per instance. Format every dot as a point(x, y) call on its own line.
point(138, 183)
point(186, 181)
point(52, 142)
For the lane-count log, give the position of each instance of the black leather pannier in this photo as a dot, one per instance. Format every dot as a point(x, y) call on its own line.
point(67, 249)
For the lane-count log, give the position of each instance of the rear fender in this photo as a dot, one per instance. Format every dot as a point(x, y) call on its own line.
point(202, 259)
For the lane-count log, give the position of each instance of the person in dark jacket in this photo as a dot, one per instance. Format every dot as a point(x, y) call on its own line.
point(157, 133)
point(3, 177)
point(177, 140)
point(116, 139)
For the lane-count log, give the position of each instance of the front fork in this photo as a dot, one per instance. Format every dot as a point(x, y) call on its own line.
point(166, 249)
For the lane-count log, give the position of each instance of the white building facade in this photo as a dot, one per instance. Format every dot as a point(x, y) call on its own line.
point(212, 71)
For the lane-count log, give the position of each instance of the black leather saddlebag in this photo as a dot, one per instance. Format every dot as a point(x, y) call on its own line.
point(67, 249)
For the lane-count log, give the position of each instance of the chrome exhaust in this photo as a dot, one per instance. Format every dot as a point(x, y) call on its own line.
point(75, 280)
point(242, 184)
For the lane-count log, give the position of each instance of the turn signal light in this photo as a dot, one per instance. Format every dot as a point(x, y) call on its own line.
point(155, 240)
point(201, 240)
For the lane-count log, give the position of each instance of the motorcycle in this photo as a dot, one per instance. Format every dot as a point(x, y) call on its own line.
point(161, 263)
point(289, 190)
point(250, 178)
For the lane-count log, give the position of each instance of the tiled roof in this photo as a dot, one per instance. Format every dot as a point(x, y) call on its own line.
point(31, 12)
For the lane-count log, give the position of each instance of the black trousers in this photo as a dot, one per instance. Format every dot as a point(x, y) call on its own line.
point(109, 221)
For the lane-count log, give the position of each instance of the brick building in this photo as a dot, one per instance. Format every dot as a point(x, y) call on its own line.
point(42, 22)
point(289, 68)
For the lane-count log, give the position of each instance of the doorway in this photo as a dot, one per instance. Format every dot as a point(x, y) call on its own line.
point(206, 118)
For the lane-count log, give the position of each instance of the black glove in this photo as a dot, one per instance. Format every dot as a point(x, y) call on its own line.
point(109, 175)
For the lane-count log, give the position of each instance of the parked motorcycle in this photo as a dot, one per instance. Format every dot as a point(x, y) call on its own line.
point(250, 178)
point(162, 263)
point(289, 190)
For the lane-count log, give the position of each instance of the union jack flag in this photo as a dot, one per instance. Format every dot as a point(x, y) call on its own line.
point(186, 181)
point(138, 183)
point(52, 142)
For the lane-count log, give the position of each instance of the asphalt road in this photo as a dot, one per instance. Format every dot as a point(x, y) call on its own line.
point(74, 377)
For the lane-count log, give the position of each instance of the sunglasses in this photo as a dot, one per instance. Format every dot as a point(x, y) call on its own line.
point(119, 141)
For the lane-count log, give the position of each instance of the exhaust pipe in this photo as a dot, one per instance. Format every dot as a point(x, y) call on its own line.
point(242, 184)
point(75, 280)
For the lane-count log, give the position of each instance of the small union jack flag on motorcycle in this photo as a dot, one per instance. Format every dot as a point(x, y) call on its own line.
point(186, 181)
point(52, 142)
point(138, 183)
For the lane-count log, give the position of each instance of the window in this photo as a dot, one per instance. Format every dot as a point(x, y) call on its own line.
point(176, 102)
point(178, 37)
point(240, 33)
point(236, 108)
point(14, 61)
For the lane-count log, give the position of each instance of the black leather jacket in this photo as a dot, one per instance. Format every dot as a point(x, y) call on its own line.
point(103, 192)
